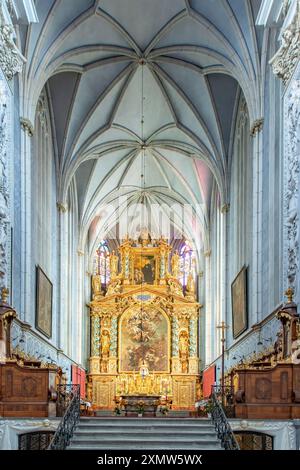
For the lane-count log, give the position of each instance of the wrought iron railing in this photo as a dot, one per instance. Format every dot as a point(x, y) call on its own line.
point(220, 420)
point(68, 406)
point(225, 395)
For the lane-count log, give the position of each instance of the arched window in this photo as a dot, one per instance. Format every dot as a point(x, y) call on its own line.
point(101, 262)
point(187, 262)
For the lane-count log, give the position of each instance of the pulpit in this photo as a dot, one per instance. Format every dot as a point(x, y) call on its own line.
point(144, 328)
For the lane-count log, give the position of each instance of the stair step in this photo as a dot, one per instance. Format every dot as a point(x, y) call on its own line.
point(161, 420)
point(144, 434)
point(151, 444)
point(137, 437)
point(143, 423)
point(166, 427)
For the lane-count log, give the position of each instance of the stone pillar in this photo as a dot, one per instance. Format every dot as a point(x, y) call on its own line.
point(257, 223)
point(62, 221)
point(11, 63)
point(208, 313)
point(286, 66)
point(291, 186)
point(5, 236)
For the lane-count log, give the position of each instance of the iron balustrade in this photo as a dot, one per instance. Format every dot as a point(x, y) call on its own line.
point(218, 398)
point(225, 395)
point(68, 406)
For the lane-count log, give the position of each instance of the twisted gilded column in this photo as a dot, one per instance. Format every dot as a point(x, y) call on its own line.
point(113, 336)
point(95, 344)
point(193, 359)
point(127, 266)
point(113, 350)
point(193, 336)
point(176, 366)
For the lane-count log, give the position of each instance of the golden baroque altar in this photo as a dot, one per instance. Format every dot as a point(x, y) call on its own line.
point(144, 322)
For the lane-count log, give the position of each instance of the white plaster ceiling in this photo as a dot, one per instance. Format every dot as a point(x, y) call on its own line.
point(194, 57)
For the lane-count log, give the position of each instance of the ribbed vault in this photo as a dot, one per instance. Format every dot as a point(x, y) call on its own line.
point(98, 59)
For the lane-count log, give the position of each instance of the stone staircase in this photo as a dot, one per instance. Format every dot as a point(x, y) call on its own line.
point(145, 433)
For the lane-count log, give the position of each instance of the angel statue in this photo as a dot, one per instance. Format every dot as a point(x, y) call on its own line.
point(175, 264)
point(114, 265)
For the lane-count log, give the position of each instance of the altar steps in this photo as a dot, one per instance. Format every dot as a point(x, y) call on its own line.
point(171, 414)
point(144, 433)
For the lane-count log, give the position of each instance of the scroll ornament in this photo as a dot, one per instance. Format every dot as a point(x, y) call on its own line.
point(286, 58)
point(11, 59)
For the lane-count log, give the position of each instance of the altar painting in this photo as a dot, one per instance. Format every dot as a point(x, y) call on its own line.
point(144, 269)
point(144, 338)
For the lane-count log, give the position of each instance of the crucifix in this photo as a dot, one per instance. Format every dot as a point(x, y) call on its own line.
point(223, 327)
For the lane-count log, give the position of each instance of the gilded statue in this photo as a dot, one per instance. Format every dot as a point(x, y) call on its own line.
point(114, 287)
point(96, 285)
point(145, 238)
point(175, 287)
point(175, 264)
point(184, 350)
point(278, 347)
point(114, 265)
point(190, 286)
point(105, 343)
point(138, 276)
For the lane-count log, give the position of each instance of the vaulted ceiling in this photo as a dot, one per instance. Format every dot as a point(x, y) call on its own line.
point(185, 60)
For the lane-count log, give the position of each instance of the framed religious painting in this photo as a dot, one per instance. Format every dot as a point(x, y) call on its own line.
point(239, 303)
point(44, 292)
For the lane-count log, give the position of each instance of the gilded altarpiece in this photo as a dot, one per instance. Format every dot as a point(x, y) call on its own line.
point(144, 321)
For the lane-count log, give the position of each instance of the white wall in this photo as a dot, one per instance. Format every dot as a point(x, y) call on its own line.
point(254, 223)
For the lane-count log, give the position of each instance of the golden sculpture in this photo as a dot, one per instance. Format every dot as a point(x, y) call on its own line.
point(138, 276)
point(175, 287)
point(145, 320)
point(190, 286)
point(184, 350)
point(105, 344)
point(96, 286)
point(175, 264)
point(114, 287)
point(113, 264)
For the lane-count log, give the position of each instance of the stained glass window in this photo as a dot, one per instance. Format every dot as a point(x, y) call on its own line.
point(101, 262)
point(187, 262)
